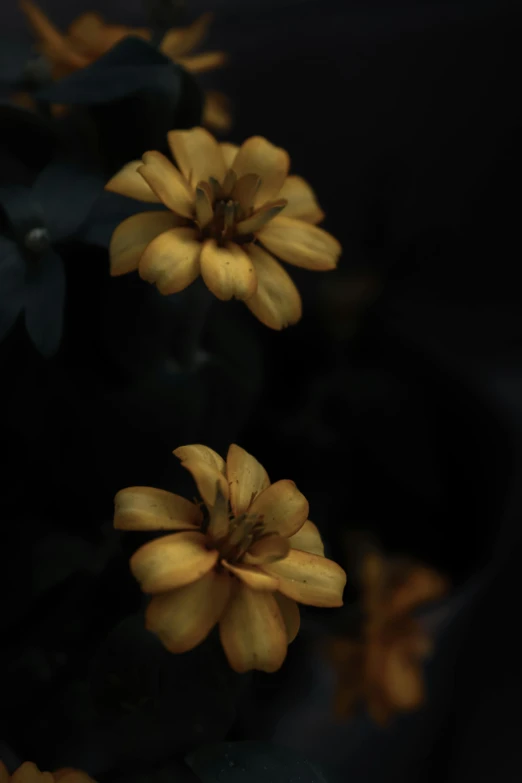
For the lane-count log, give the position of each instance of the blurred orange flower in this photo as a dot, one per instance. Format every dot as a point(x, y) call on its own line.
point(244, 560)
point(383, 670)
point(29, 773)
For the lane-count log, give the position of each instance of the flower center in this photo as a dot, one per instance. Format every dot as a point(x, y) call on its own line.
point(243, 531)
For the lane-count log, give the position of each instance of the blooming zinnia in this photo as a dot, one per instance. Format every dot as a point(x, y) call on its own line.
point(230, 209)
point(244, 563)
point(29, 773)
point(384, 670)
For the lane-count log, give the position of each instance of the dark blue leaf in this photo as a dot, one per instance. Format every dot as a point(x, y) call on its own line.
point(45, 302)
point(12, 289)
point(22, 209)
point(14, 56)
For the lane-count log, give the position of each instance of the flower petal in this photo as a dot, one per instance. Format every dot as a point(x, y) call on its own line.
point(253, 577)
point(172, 561)
point(171, 260)
point(207, 479)
point(201, 63)
point(198, 155)
point(129, 182)
point(290, 614)
point(402, 679)
point(300, 243)
point(246, 478)
point(229, 152)
point(70, 775)
point(308, 578)
point(195, 451)
point(227, 271)
point(167, 183)
point(52, 44)
point(258, 156)
point(146, 508)
point(308, 539)
point(284, 509)
point(267, 549)
point(182, 40)
point(183, 618)
point(252, 631)
point(276, 302)
point(4, 774)
point(216, 111)
point(29, 773)
point(268, 211)
point(302, 203)
point(132, 236)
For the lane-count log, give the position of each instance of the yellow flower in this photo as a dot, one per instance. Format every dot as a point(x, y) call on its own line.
point(244, 563)
point(29, 773)
point(384, 669)
point(224, 222)
point(89, 37)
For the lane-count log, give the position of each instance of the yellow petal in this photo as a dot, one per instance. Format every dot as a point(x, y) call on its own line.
point(207, 479)
point(183, 618)
point(252, 631)
point(258, 156)
point(276, 302)
point(268, 211)
point(131, 237)
point(229, 152)
point(402, 680)
point(227, 271)
point(201, 63)
point(171, 260)
point(300, 243)
point(196, 451)
point(198, 155)
point(87, 29)
point(290, 614)
point(219, 516)
point(284, 509)
point(252, 576)
point(129, 182)
point(308, 539)
point(146, 508)
point(246, 478)
point(52, 43)
point(181, 40)
point(4, 774)
point(216, 111)
point(172, 561)
point(267, 550)
point(167, 183)
point(302, 203)
point(309, 579)
point(69, 775)
point(29, 773)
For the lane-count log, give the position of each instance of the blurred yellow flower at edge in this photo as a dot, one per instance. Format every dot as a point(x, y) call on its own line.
point(230, 209)
point(29, 773)
point(242, 563)
point(89, 37)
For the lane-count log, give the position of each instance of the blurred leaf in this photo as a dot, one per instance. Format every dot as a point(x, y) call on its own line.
point(12, 285)
point(45, 292)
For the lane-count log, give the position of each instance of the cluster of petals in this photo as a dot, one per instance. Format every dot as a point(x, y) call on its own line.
point(29, 773)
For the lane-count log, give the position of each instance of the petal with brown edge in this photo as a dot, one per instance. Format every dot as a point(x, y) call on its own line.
point(276, 302)
point(251, 576)
point(284, 509)
point(133, 235)
point(172, 561)
point(302, 202)
point(229, 152)
point(198, 155)
point(171, 260)
point(290, 614)
point(300, 243)
point(167, 183)
point(258, 156)
point(146, 508)
point(309, 579)
point(207, 479)
point(196, 451)
point(308, 539)
point(227, 271)
point(183, 618)
point(267, 550)
point(252, 631)
point(129, 182)
point(247, 478)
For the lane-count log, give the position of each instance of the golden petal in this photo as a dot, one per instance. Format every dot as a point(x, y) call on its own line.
point(183, 618)
point(131, 238)
point(252, 577)
point(290, 614)
point(229, 152)
point(87, 29)
point(207, 479)
point(182, 40)
point(202, 63)
point(129, 182)
point(302, 202)
point(4, 774)
point(216, 111)
point(260, 217)
point(196, 451)
point(167, 183)
point(258, 156)
point(204, 211)
point(69, 775)
point(198, 155)
point(420, 586)
point(276, 302)
point(308, 539)
point(246, 478)
point(402, 680)
point(171, 260)
point(300, 243)
point(267, 550)
point(227, 271)
point(244, 191)
point(252, 631)
point(284, 509)
point(53, 44)
point(146, 508)
point(29, 773)
point(309, 579)
point(219, 517)
point(172, 561)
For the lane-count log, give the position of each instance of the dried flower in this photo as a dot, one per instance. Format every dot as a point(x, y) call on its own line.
point(29, 773)
point(224, 222)
point(242, 563)
point(384, 669)
point(89, 37)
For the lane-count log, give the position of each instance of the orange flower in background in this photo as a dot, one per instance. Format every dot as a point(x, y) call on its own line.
point(243, 561)
point(89, 37)
point(231, 210)
point(384, 670)
point(29, 773)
